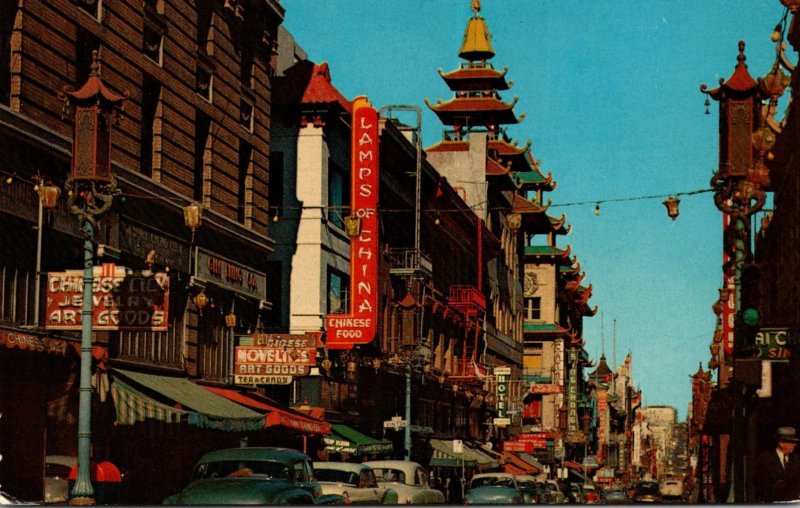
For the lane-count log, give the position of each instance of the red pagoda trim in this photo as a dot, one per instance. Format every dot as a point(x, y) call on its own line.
point(320, 89)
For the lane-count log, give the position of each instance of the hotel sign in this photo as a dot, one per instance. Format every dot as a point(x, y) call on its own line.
point(274, 358)
point(501, 375)
point(121, 301)
point(360, 324)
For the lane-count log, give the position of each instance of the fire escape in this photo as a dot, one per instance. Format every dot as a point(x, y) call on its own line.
point(471, 303)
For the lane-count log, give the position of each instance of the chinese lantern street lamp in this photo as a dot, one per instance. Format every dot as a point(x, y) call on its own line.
point(93, 189)
point(48, 199)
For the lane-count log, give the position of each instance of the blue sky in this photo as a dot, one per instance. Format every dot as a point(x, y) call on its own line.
point(613, 109)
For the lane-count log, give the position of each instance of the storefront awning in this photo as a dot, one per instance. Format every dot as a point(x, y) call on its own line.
point(181, 400)
point(524, 462)
point(444, 456)
point(273, 415)
point(530, 459)
point(344, 439)
point(485, 460)
point(516, 465)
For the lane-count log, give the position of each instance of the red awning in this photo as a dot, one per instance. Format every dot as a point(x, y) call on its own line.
point(273, 414)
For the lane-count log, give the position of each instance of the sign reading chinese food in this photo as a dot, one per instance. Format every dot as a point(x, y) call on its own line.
point(360, 324)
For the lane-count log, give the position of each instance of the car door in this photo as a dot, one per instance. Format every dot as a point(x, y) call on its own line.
point(372, 493)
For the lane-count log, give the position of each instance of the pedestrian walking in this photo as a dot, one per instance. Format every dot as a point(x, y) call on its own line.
point(776, 475)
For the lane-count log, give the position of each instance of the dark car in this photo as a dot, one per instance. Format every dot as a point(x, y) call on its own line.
point(615, 496)
point(253, 476)
point(646, 492)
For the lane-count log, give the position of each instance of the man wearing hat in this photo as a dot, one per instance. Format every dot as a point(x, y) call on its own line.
point(776, 473)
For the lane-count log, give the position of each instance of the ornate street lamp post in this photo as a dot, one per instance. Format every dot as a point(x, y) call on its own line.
point(48, 199)
point(92, 189)
point(746, 138)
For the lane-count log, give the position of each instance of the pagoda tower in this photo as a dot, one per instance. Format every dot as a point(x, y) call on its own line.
point(475, 149)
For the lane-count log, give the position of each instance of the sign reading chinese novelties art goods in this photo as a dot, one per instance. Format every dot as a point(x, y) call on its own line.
point(230, 275)
point(358, 326)
point(268, 358)
point(121, 300)
point(501, 377)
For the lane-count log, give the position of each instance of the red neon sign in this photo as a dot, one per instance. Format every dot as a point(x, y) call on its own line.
point(359, 325)
point(728, 309)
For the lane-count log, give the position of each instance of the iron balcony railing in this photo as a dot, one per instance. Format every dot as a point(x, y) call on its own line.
point(406, 261)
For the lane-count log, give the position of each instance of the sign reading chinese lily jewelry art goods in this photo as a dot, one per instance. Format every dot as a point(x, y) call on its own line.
point(274, 358)
point(121, 300)
point(358, 326)
point(501, 375)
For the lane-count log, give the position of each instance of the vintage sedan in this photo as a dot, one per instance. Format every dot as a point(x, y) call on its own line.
point(493, 488)
point(408, 479)
point(253, 476)
point(356, 483)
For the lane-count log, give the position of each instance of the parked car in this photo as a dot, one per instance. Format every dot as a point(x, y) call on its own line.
point(526, 484)
point(56, 478)
point(554, 493)
point(356, 483)
point(493, 488)
point(256, 475)
point(590, 494)
point(671, 489)
point(408, 479)
point(646, 491)
point(575, 493)
point(615, 496)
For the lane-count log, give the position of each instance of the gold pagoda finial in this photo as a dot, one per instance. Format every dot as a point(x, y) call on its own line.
point(477, 44)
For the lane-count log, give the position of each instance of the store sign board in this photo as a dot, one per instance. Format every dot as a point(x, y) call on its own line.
point(230, 275)
point(729, 307)
point(360, 324)
point(21, 340)
point(775, 344)
point(122, 300)
point(262, 379)
point(545, 388)
point(269, 355)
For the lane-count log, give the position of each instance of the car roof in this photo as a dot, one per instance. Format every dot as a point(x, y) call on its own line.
point(342, 466)
point(254, 453)
point(494, 475)
point(403, 465)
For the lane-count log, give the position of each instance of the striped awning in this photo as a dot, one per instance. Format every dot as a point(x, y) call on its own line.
point(444, 456)
point(485, 461)
point(182, 400)
point(344, 439)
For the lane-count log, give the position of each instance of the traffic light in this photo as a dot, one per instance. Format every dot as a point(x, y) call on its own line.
point(750, 296)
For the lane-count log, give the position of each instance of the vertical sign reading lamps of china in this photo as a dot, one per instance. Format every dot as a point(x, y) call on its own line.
point(358, 326)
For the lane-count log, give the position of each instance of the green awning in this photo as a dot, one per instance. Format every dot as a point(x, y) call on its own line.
point(485, 461)
point(198, 407)
point(444, 456)
point(344, 439)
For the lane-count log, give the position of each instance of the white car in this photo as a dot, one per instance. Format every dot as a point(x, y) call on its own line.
point(408, 479)
point(354, 482)
point(56, 478)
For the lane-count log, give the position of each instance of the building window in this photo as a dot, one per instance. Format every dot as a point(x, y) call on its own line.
point(216, 346)
point(246, 109)
point(533, 308)
point(204, 82)
point(85, 44)
point(8, 14)
point(159, 348)
point(275, 294)
point(152, 44)
point(247, 63)
point(338, 292)
point(202, 154)
point(244, 182)
point(92, 7)
point(338, 194)
point(150, 126)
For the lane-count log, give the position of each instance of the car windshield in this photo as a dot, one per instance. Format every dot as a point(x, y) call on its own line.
point(233, 468)
point(389, 475)
point(336, 476)
point(647, 488)
point(497, 481)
